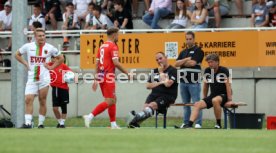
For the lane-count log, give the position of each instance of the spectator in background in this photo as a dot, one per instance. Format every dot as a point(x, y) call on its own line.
point(217, 8)
point(157, 10)
point(70, 22)
point(6, 22)
point(36, 24)
point(122, 18)
point(135, 6)
point(259, 16)
point(181, 19)
point(199, 17)
point(101, 3)
point(272, 16)
point(100, 21)
point(190, 5)
point(37, 16)
point(81, 8)
point(52, 12)
point(89, 16)
point(239, 5)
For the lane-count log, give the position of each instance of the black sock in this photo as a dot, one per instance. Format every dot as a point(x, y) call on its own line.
point(191, 123)
point(219, 122)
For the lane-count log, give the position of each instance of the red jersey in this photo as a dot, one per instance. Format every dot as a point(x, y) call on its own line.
point(106, 68)
point(56, 76)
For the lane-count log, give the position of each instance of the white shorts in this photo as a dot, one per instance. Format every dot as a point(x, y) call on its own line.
point(32, 88)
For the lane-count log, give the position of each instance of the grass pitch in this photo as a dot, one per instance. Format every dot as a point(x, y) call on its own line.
point(143, 140)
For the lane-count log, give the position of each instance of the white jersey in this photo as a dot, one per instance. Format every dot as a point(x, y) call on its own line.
point(37, 56)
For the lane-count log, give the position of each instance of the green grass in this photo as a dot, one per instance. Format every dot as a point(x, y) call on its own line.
point(143, 140)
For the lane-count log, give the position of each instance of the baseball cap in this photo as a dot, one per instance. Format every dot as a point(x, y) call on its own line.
point(8, 3)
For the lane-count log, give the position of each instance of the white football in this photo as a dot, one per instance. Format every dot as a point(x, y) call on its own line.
point(68, 77)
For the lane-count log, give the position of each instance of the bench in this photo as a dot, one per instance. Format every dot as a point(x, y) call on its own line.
point(226, 110)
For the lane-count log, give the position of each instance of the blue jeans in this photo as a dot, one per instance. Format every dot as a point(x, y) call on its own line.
point(190, 91)
point(152, 20)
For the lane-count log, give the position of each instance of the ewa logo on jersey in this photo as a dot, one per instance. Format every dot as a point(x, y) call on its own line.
point(37, 60)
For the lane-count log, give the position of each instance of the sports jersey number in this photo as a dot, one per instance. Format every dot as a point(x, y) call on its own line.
point(101, 55)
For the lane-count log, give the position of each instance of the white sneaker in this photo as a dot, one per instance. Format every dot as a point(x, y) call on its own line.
point(87, 121)
point(217, 127)
point(115, 128)
point(197, 126)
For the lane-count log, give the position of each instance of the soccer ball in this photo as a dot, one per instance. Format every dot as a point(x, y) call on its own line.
point(69, 77)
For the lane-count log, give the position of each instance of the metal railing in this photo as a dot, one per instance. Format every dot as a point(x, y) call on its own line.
point(77, 33)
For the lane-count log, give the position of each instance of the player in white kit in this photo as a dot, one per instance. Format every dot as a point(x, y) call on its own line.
point(38, 54)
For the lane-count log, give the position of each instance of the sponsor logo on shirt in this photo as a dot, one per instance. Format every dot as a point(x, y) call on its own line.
point(37, 59)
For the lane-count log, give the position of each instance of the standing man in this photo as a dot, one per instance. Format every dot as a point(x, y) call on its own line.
point(217, 78)
point(163, 83)
point(38, 54)
point(189, 61)
point(107, 61)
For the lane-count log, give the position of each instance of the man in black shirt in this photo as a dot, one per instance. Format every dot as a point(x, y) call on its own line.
point(189, 61)
point(218, 79)
point(122, 17)
point(163, 83)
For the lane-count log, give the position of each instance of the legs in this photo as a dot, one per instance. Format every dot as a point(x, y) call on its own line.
point(42, 104)
point(152, 19)
point(29, 99)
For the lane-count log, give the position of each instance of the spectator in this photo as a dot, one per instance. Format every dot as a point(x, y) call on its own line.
point(100, 21)
point(36, 24)
point(123, 19)
point(89, 16)
point(81, 8)
point(190, 5)
point(37, 16)
point(199, 17)
point(6, 22)
point(70, 22)
point(239, 5)
point(135, 6)
point(158, 9)
point(259, 16)
point(189, 61)
point(101, 3)
point(163, 85)
point(221, 92)
point(181, 18)
point(217, 8)
point(52, 12)
point(272, 16)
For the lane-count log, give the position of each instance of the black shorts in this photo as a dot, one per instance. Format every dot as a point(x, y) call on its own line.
point(208, 100)
point(163, 101)
point(60, 96)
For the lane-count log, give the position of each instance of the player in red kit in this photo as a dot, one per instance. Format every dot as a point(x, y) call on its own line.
point(107, 61)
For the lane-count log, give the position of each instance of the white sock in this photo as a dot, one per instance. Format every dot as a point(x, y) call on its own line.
point(28, 119)
point(41, 119)
point(90, 116)
point(62, 121)
point(59, 120)
point(113, 124)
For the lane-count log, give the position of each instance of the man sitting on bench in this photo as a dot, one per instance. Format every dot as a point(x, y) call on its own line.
point(217, 77)
point(163, 82)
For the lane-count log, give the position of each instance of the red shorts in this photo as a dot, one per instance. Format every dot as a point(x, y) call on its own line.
point(108, 90)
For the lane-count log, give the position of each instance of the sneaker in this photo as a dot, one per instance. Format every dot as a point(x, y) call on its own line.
point(197, 126)
point(62, 126)
point(130, 117)
point(133, 125)
point(115, 128)
point(26, 126)
point(182, 126)
point(41, 126)
point(58, 125)
point(217, 127)
point(66, 44)
point(87, 121)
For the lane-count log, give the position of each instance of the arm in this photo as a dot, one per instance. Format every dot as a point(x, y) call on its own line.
point(19, 58)
point(252, 20)
point(228, 89)
point(181, 62)
point(265, 23)
point(59, 60)
point(119, 66)
point(202, 17)
point(152, 85)
point(124, 23)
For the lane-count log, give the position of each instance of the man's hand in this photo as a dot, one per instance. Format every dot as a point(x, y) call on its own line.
point(48, 66)
point(95, 85)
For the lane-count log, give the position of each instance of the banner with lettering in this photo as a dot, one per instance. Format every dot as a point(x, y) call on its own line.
point(137, 50)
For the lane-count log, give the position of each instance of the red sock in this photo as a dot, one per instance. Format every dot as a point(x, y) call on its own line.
point(112, 112)
point(100, 108)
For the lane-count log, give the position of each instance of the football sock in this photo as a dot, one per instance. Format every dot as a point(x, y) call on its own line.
point(112, 112)
point(141, 116)
point(28, 119)
point(100, 108)
point(41, 119)
point(219, 122)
